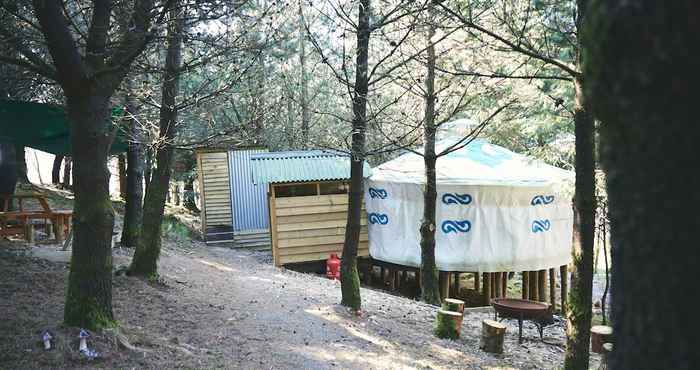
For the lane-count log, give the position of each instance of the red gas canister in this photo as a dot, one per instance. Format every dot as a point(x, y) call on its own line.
point(333, 267)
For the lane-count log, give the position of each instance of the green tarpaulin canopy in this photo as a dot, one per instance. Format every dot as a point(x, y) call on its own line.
point(42, 126)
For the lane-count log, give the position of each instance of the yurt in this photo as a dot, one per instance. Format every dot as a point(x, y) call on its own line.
point(496, 210)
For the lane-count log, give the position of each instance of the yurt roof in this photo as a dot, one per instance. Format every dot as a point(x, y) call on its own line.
point(477, 163)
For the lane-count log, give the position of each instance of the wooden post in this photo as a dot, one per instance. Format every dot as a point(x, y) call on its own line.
point(382, 278)
point(58, 228)
point(392, 279)
point(404, 278)
point(504, 281)
point(487, 288)
point(497, 284)
point(397, 279)
point(532, 290)
point(476, 281)
point(492, 335)
point(444, 280)
point(448, 325)
point(542, 285)
point(419, 284)
point(456, 284)
point(552, 288)
point(29, 231)
point(368, 272)
point(564, 277)
point(526, 281)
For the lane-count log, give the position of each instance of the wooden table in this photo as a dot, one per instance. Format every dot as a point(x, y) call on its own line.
point(60, 219)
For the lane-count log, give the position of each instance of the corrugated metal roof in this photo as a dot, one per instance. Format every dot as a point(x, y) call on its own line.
point(300, 166)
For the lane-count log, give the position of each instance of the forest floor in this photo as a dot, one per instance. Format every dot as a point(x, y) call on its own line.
point(226, 308)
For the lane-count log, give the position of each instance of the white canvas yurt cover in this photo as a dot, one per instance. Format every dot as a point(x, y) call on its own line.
point(496, 210)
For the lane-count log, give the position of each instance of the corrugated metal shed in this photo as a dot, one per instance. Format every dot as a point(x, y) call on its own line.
point(301, 166)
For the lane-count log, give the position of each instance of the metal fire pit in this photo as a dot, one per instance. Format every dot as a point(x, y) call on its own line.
point(521, 309)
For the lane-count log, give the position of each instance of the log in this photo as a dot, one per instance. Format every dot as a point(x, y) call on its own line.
point(552, 288)
point(542, 285)
point(492, 335)
point(487, 288)
point(504, 288)
point(526, 281)
point(454, 305)
point(564, 276)
point(600, 334)
point(532, 290)
point(497, 284)
point(448, 324)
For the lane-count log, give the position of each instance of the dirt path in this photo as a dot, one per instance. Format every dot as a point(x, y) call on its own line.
point(223, 308)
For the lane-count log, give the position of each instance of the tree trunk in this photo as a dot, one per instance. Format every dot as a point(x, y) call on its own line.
point(431, 290)
point(21, 163)
point(67, 169)
point(145, 261)
point(349, 279)
point(89, 295)
point(8, 171)
point(578, 311)
point(304, 96)
point(133, 208)
point(121, 164)
point(646, 102)
point(56, 170)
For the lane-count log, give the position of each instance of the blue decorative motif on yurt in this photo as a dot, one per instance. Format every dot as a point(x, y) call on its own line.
point(450, 226)
point(542, 200)
point(378, 218)
point(454, 198)
point(377, 193)
point(539, 226)
point(483, 152)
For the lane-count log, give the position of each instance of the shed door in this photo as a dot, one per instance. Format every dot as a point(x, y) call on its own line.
point(248, 201)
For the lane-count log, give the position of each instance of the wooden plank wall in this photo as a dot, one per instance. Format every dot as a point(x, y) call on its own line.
point(216, 189)
point(310, 228)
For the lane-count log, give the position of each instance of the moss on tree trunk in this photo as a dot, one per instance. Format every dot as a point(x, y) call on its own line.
point(89, 294)
point(349, 278)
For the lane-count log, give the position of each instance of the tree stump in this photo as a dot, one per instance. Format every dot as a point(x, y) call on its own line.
point(600, 334)
point(455, 305)
point(607, 349)
point(492, 335)
point(448, 324)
